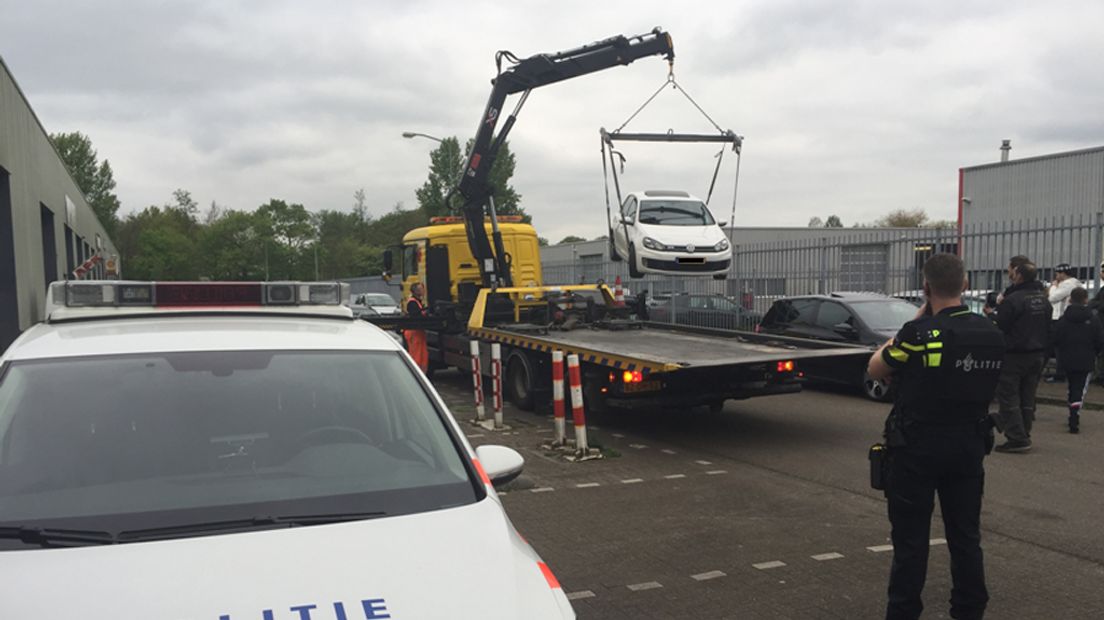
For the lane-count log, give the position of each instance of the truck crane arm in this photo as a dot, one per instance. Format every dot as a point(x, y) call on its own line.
point(522, 77)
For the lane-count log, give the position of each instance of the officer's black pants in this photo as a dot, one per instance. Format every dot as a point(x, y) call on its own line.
point(948, 461)
point(1019, 379)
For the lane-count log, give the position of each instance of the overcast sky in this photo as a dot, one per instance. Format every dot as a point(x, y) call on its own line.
point(851, 108)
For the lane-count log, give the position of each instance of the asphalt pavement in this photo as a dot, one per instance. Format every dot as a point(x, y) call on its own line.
point(764, 511)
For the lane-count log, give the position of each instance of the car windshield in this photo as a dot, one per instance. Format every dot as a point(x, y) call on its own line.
point(378, 299)
point(884, 314)
point(166, 440)
point(675, 213)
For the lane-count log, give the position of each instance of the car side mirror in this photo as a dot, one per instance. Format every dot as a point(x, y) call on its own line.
point(722, 224)
point(388, 261)
point(846, 330)
point(501, 464)
point(625, 219)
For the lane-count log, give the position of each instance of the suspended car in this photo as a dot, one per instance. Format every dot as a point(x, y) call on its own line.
point(669, 232)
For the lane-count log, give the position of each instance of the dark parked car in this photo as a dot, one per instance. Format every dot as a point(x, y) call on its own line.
point(857, 318)
point(715, 311)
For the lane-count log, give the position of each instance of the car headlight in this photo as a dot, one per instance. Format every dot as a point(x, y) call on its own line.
point(652, 244)
point(721, 246)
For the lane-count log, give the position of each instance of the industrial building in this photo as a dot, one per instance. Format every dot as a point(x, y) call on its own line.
point(47, 228)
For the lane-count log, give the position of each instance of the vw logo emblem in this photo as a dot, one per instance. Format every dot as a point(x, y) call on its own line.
point(690, 247)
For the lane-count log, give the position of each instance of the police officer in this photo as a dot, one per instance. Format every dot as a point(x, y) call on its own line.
point(945, 363)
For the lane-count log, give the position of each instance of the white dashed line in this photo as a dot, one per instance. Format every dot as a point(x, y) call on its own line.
point(637, 446)
point(574, 596)
point(632, 481)
point(880, 548)
point(541, 490)
point(668, 451)
point(675, 476)
point(618, 435)
point(827, 556)
point(938, 541)
point(547, 430)
point(768, 565)
point(594, 428)
point(713, 574)
point(473, 436)
point(703, 462)
point(715, 472)
point(587, 485)
point(648, 585)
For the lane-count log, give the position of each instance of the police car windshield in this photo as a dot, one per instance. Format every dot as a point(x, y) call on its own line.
point(884, 314)
point(164, 440)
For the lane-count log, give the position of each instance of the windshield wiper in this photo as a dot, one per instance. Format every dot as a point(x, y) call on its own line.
point(56, 537)
point(212, 527)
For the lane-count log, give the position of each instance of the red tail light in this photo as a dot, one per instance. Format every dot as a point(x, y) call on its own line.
point(632, 376)
point(786, 366)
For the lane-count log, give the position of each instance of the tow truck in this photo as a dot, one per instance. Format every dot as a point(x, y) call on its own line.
point(483, 281)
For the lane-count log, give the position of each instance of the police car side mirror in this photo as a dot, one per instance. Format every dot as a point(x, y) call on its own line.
point(502, 464)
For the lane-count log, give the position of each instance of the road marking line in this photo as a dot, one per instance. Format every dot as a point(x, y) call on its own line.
point(937, 541)
point(648, 585)
point(827, 556)
point(632, 481)
point(703, 462)
point(638, 446)
point(475, 435)
point(715, 472)
point(618, 435)
point(594, 428)
point(768, 565)
point(574, 596)
point(587, 485)
point(547, 430)
point(880, 548)
point(541, 490)
point(675, 476)
point(713, 574)
point(668, 451)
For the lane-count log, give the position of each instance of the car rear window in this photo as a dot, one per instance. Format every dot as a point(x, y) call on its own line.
point(125, 442)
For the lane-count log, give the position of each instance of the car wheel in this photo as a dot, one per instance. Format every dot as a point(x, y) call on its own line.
point(634, 269)
point(519, 382)
point(614, 256)
point(876, 389)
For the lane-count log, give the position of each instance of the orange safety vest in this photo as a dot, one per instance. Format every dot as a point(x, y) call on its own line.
point(416, 339)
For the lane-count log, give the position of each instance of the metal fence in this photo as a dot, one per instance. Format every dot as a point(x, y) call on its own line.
point(887, 262)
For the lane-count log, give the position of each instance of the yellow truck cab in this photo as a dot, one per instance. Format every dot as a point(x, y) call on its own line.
point(439, 257)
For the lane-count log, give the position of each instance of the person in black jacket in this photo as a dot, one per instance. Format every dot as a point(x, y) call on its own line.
point(1023, 314)
point(1078, 339)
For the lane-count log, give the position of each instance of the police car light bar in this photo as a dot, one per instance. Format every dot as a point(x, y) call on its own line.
point(196, 294)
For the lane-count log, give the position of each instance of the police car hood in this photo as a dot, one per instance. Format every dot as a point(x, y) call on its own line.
point(465, 562)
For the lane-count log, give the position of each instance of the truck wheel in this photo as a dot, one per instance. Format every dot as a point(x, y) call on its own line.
point(519, 381)
point(876, 389)
point(634, 270)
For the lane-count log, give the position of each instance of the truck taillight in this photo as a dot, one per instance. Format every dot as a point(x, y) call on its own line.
point(786, 366)
point(632, 376)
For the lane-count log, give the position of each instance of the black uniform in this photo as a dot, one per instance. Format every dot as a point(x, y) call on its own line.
point(1078, 338)
point(947, 368)
point(1024, 317)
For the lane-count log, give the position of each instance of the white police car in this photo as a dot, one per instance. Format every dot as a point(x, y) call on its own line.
point(243, 451)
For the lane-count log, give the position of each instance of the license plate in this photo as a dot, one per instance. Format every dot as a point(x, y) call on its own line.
point(644, 386)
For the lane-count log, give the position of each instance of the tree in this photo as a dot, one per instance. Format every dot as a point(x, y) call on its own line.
point(160, 242)
point(542, 242)
point(816, 222)
point(446, 164)
point(571, 239)
point(833, 221)
point(901, 218)
point(95, 179)
point(287, 236)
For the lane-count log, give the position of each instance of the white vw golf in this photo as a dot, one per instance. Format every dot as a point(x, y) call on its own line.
point(243, 451)
point(669, 232)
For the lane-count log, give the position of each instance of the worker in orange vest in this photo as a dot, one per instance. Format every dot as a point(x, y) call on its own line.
point(416, 338)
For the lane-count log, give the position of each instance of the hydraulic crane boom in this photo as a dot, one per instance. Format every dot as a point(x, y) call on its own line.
point(523, 76)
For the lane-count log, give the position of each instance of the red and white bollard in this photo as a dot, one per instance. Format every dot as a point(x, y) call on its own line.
point(496, 376)
point(618, 292)
point(558, 413)
point(578, 416)
point(477, 382)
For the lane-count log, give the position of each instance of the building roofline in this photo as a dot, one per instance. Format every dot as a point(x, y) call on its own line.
point(1094, 149)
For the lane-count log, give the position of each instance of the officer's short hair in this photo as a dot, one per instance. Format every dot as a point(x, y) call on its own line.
point(1018, 260)
point(1079, 295)
point(945, 274)
point(1028, 271)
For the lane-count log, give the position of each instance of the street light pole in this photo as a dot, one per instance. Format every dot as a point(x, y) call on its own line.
point(415, 134)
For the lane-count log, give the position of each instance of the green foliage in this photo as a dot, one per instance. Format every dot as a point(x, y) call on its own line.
point(901, 218)
point(94, 178)
point(571, 239)
point(833, 221)
point(446, 164)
